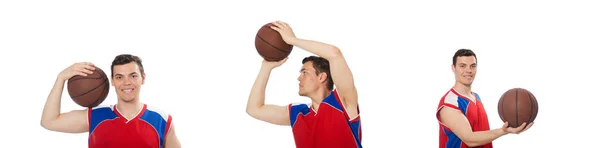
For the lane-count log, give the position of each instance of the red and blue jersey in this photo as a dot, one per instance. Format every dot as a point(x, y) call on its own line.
point(108, 128)
point(473, 111)
point(329, 127)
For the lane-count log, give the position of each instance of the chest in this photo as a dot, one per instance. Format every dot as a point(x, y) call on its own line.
point(327, 126)
point(120, 133)
point(476, 115)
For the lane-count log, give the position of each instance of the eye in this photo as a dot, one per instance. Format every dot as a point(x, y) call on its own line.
point(134, 76)
point(118, 77)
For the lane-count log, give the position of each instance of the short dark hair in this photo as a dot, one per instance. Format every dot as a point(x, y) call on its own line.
point(126, 59)
point(321, 65)
point(461, 53)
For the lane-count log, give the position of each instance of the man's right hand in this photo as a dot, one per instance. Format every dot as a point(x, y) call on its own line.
point(82, 69)
point(274, 64)
point(517, 130)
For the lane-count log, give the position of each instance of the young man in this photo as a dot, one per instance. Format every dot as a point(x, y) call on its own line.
point(332, 119)
point(128, 124)
point(461, 116)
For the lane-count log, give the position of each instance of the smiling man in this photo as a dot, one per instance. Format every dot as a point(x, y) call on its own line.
point(461, 116)
point(128, 124)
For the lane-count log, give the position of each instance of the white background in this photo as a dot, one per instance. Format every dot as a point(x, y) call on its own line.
point(201, 62)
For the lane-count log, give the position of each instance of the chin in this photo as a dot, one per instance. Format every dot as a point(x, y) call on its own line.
point(301, 94)
point(467, 83)
point(127, 99)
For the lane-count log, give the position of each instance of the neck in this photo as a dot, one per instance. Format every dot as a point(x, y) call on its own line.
point(318, 97)
point(129, 109)
point(462, 89)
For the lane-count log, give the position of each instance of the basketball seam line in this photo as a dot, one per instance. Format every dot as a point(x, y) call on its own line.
point(98, 100)
point(531, 111)
point(91, 89)
point(502, 107)
point(517, 107)
point(72, 80)
point(267, 58)
point(536, 106)
point(270, 44)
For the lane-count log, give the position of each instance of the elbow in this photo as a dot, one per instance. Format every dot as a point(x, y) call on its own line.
point(335, 52)
point(45, 125)
point(249, 107)
point(250, 111)
point(472, 143)
point(253, 112)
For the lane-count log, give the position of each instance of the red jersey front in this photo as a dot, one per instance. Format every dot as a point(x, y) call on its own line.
point(109, 129)
point(330, 127)
point(474, 112)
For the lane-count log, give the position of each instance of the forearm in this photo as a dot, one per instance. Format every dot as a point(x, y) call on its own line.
point(324, 50)
point(257, 94)
point(52, 106)
point(483, 137)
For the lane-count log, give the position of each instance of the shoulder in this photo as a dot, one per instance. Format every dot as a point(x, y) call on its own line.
point(451, 97)
point(158, 118)
point(101, 107)
point(297, 105)
point(101, 110)
point(332, 97)
point(297, 111)
point(154, 111)
point(96, 115)
point(477, 96)
point(295, 108)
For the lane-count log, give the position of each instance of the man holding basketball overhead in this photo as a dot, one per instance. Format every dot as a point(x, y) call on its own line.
point(129, 123)
point(332, 119)
point(462, 119)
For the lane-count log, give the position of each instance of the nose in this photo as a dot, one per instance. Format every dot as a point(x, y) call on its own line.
point(127, 81)
point(299, 77)
point(469, 69)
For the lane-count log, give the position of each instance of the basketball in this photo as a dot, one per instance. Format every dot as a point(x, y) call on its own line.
point(89, 91)
point(270, 45)
point(517, 106)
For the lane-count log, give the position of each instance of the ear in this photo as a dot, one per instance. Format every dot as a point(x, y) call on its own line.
point(112, 81)
point(143, 78)
point(453, 69)
point(323, 77)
